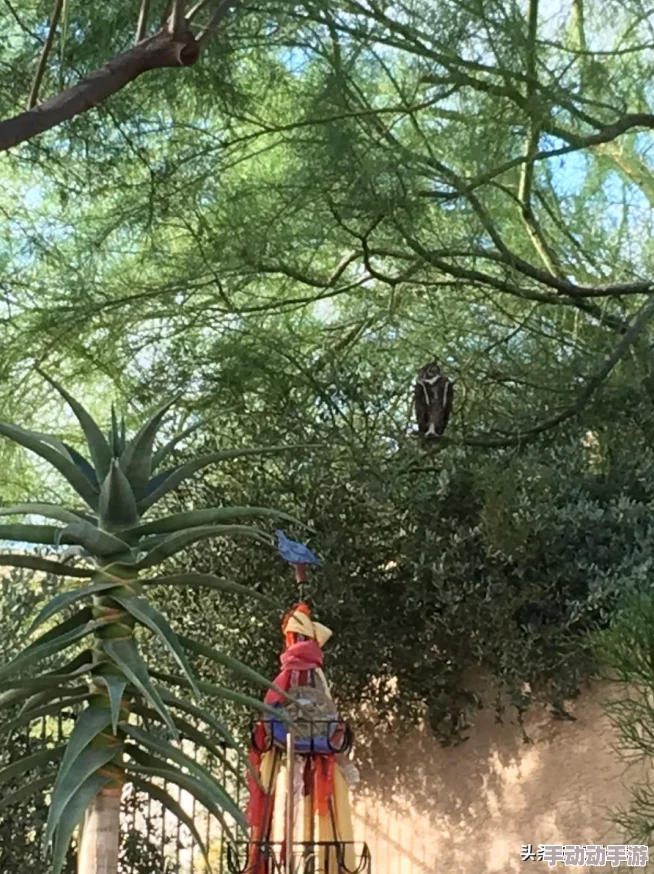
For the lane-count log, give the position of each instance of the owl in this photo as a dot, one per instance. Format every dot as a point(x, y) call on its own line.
point(433, 394)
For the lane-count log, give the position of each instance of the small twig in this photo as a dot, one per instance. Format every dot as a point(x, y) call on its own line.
point(595, 380)
point(22, 24)
point(142, 25)
point(40, 70)
point(194, 10)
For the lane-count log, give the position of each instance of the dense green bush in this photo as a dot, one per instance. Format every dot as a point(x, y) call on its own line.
point(439, 566)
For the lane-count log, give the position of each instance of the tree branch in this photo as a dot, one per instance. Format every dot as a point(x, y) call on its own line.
point(163, 49)
point(142, 24)
point(177, 23)
point(535, 232)
point(194, 10)
point(45, 52)
point(561, 285)
point(159, 51)
point(223, 8)
point(636, 328)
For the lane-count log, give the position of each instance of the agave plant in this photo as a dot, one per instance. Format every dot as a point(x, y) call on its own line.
point(128, 713)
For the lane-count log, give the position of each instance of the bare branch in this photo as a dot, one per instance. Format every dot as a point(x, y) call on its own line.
point(45, 52)
point(142, 25)
point(546, 254)
point(194, 10)
point(563, 286)
point(637, 327)
point(22, 24)
point(341, 267)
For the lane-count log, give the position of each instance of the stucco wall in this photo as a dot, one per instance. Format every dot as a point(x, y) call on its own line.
point(470, 808)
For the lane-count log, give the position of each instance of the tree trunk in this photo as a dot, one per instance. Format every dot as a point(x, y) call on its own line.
point(100, 835)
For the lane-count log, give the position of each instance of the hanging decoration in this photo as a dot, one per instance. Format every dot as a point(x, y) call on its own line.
point(299, 810)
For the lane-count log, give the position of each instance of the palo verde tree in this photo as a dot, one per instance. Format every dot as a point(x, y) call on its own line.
point(484, 174)
point(119, 697)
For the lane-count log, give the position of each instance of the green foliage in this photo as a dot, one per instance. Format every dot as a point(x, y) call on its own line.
point(106, 747)
point(335, 194)
point(627, 651)
point(438, 568)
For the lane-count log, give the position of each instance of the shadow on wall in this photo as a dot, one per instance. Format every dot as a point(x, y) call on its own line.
point(469, 809)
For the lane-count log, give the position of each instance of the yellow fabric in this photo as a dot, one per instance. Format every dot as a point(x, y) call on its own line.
point(322, 634)
point(322, 825)
point(344, 815)
point(269, 769)
point(323, 681)
point(300, 623)
point(344, 831)
point(307, 816)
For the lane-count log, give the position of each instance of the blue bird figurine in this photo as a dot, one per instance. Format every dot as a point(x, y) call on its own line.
point(296, 554)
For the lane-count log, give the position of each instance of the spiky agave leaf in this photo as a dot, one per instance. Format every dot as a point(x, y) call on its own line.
point(136, 459)
point(71, 473)
point(107, 747)
point(178, 475)
point(36, 563)
point(99, 448)
point(117, 505)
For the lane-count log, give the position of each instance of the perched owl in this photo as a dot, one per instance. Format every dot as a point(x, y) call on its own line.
point(433, 394)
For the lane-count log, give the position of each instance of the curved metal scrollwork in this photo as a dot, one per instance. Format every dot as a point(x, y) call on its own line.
point(314, 857)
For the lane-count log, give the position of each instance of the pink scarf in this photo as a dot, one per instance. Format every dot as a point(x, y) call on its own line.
point(303, 656)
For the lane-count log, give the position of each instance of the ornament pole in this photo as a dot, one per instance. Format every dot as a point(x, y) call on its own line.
point(300, 578)
point(290, 798)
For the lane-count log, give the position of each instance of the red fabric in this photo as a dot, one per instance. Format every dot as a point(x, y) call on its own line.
point(323, 783)
point(303, 656)
point(257, 800)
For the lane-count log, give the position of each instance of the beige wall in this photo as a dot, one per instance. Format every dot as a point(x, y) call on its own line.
point(470, 808)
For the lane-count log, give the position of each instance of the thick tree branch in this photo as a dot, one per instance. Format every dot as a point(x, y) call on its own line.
point(177, 23)
point(45, 52)
point(159, 51)
point(163, 49)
